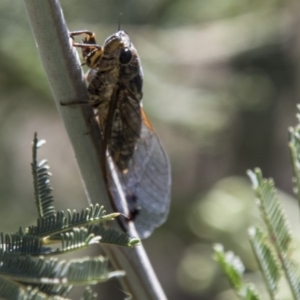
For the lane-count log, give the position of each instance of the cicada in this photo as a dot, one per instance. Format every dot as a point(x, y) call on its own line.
point(132, 149)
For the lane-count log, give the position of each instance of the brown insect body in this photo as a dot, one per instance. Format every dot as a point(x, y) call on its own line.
point(115, 83)
point(111, 70)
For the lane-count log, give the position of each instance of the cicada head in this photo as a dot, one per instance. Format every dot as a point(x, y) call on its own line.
point(120, 56)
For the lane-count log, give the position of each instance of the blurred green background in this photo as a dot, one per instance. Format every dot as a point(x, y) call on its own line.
point(220, 87)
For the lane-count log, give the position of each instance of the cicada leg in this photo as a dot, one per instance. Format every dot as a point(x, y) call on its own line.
point(91, 51)
point(89, 39)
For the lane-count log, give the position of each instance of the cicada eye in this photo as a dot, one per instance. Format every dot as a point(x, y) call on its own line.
point(125, 56)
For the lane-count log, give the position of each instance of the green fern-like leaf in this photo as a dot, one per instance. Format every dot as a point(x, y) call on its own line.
point(38, 278)
point(249, 293)
point(41, 182)
point(271, 210)
point(277, 225)
point(112, 236)
point(59, 223)
point(294, 146)
point(88, 294)
point(12, 290)
point(22, 244)
point(73, 240)
point(266, 258)
point(53, 290)
point(25, 269)
point(76, 239)
point(233, 267)
point(36, 240)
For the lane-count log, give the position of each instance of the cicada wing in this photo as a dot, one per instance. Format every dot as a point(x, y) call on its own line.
point(146, 184)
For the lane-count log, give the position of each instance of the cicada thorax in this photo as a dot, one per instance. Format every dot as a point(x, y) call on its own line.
point(115, 87)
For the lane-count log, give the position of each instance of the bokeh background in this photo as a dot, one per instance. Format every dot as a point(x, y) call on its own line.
point(221, 88)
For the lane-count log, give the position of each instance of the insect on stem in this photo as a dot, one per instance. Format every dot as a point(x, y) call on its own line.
point(135, 166)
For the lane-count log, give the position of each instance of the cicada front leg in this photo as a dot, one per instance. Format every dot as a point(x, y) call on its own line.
point(91, 51)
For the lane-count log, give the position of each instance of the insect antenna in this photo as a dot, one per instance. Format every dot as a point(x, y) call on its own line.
point(119, 21)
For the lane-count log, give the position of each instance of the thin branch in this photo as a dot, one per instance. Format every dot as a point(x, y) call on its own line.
point(67, 84)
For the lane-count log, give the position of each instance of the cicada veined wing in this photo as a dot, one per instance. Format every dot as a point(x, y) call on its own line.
point(146, 183)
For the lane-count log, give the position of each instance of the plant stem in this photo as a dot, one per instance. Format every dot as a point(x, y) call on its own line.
point(67, 84)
